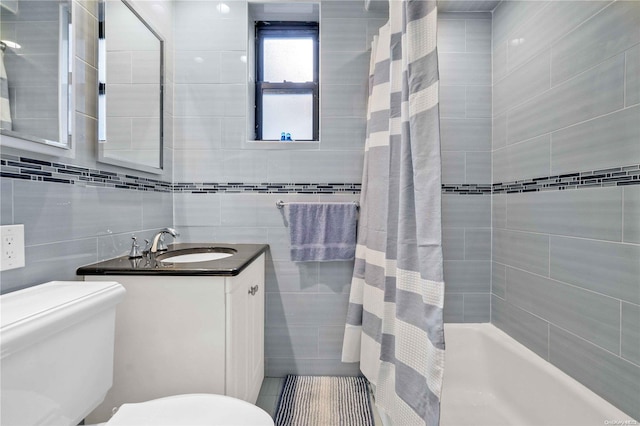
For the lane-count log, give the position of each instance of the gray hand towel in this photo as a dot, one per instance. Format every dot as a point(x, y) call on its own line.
point(322, 232)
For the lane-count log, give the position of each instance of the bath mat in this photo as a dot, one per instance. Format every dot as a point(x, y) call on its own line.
point(324, 401)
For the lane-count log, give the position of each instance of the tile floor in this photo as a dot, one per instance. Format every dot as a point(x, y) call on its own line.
point(270, 391)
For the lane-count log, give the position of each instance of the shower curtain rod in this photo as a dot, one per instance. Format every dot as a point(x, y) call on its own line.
point(280, 204)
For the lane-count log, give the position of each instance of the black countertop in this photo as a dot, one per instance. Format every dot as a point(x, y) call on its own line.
point(148, 265)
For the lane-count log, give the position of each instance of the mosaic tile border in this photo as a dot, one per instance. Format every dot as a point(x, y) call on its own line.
point(615, 176)
point(467, 189)
point(25, 168)
point(268, 188)
point(38, 170)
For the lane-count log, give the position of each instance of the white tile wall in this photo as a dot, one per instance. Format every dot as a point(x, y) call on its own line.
point(565, 263)
point(464, 47)
point(465, 108)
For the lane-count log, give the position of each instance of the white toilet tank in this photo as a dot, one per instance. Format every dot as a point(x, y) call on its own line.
point(56, 361)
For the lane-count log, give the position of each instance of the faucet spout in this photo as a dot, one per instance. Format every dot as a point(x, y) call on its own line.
point(158, 239)
point(171, 232)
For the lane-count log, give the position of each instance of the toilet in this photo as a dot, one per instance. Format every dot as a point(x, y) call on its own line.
point(56, 364)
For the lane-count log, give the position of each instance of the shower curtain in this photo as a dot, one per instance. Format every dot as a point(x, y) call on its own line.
point(5, 109)
point(394, 322)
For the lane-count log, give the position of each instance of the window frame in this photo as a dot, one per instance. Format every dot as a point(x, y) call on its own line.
point(288, 29)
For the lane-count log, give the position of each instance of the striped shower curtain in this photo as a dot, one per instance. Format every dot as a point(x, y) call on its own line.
point(394, 322)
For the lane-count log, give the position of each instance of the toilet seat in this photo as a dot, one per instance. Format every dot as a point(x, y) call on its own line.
point(191, 410)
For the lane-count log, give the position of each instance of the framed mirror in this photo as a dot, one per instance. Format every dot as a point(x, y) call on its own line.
point(36, 62)
point(130, 75)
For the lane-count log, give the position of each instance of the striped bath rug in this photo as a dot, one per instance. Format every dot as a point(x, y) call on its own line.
point(324, 401)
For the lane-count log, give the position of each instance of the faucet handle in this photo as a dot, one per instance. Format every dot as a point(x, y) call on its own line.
point(147, 246)
point(135, 249)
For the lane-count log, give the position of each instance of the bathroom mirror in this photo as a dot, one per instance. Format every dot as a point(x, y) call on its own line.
point(130, 76)
point(35, 74)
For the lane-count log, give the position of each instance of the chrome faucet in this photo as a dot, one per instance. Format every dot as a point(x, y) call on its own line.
point(158, 241)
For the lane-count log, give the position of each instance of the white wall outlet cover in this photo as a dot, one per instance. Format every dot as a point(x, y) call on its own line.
point(12, 243)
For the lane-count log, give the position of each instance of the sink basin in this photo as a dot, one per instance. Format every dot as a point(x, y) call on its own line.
point(194, 255)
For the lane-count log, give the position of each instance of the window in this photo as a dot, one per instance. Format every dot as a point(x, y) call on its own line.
point(287, 95)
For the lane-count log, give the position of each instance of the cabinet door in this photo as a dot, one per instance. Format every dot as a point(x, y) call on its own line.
point(245, 332)
point(237, 376)
point(169, 339)
point(255, 332)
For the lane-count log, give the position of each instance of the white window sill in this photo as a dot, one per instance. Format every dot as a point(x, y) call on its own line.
point(283, 144)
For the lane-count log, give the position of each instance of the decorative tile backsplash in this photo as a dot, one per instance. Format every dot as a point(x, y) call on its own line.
point(37, 170)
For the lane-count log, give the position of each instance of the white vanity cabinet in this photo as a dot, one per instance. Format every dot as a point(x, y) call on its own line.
point(179, 334)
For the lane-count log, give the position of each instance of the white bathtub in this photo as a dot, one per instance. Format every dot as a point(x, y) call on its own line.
point(490, 379)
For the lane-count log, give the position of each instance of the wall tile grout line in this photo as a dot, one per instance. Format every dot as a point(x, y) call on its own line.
point(549, 324)
point(551, 43)
point(622, 216)
point(551, 88)
point(556, 280)
point(620, 325)
point(624, 78)
point(548, 341)
point(549, 256)
point(593, 344)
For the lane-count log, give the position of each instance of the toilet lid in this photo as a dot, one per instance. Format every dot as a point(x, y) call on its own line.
point(191, 410)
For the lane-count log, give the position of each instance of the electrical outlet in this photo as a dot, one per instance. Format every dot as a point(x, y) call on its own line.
point(12, 242)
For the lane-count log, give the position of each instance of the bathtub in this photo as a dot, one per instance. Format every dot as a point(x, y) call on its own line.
point(490, 379)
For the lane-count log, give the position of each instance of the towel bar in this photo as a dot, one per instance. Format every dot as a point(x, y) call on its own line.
point(280, 204)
